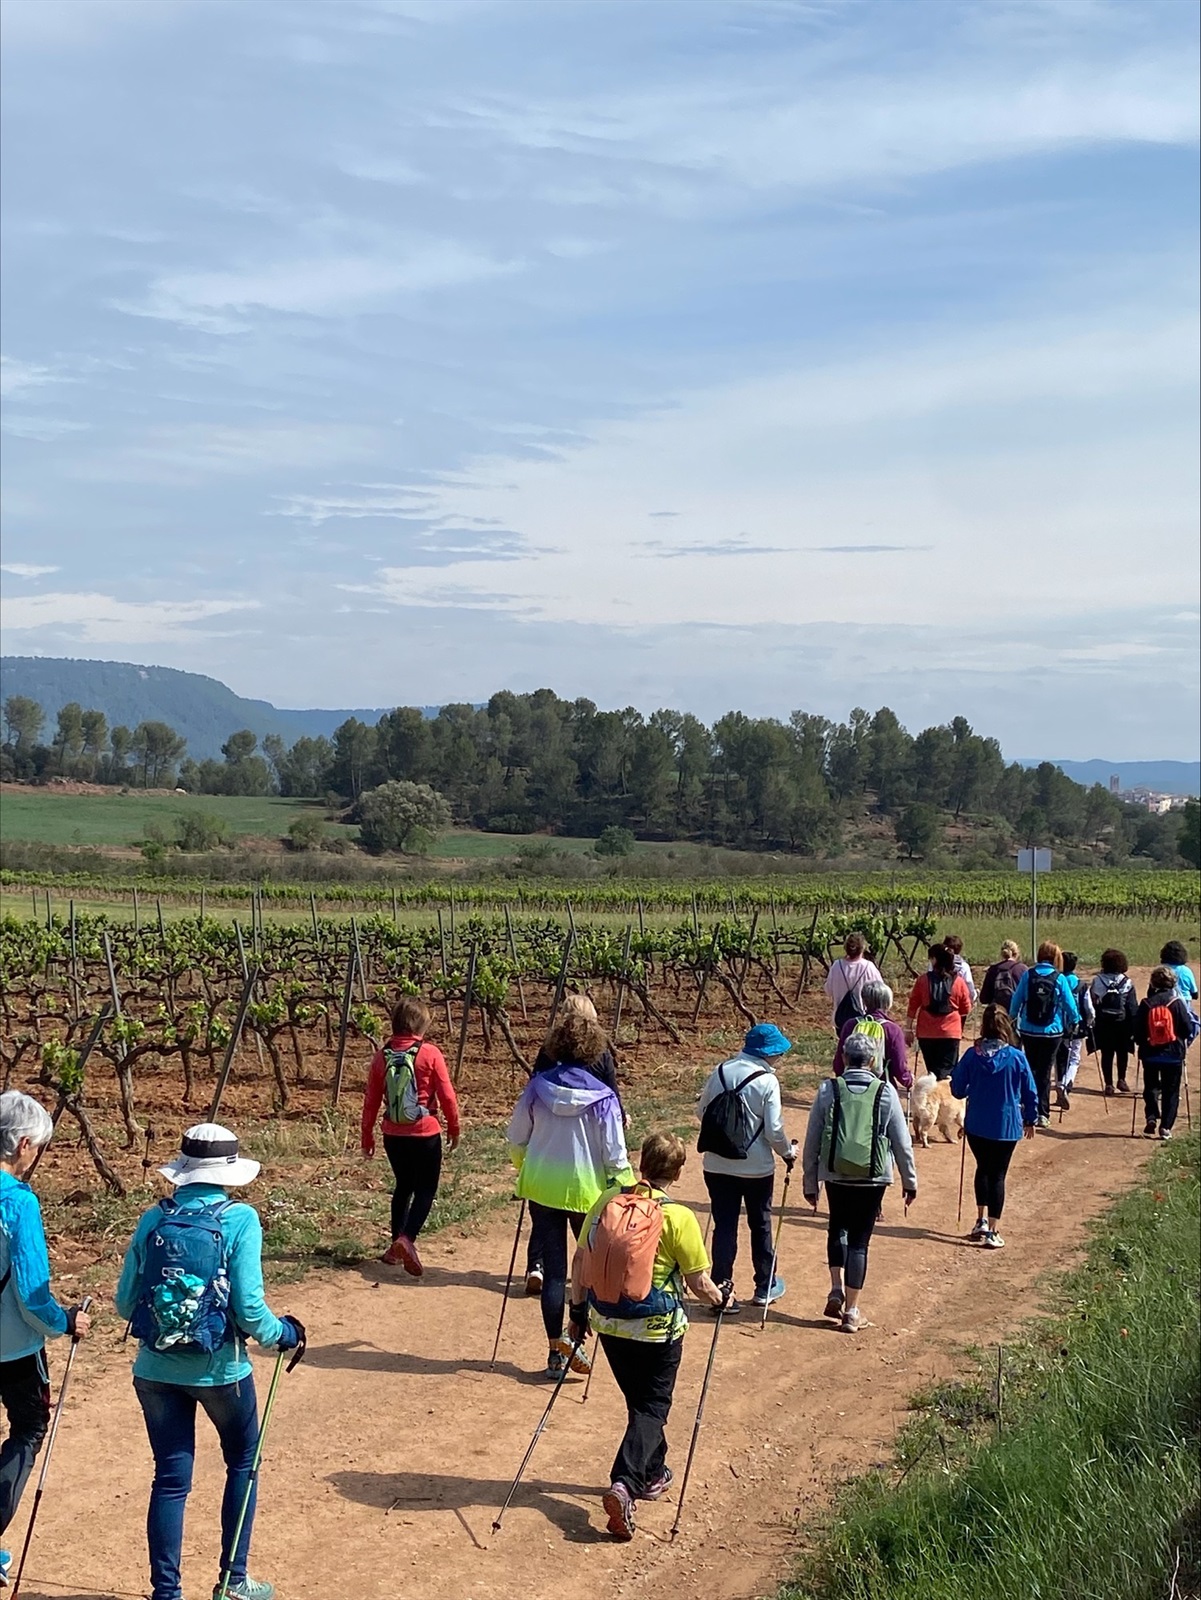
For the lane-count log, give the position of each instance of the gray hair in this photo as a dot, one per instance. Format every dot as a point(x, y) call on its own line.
point(859, 1051)
point(22, 1117)
point(876, 996)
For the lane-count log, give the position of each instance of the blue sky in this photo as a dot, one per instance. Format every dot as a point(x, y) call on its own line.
point(755, 353)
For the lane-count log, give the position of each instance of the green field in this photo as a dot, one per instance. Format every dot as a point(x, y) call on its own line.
point(120, 818)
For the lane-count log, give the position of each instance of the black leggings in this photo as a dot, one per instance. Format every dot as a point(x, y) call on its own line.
point(416, 1162)
point(854, 1208)
point(1110, 1045)
point(1040, 1050)
point(940, 1055)
point(549, 1240)
point(992, 1163)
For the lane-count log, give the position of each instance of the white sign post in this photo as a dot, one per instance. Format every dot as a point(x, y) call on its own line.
point(1034, 862)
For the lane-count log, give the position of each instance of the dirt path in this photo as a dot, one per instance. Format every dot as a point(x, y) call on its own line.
point(393, 1445)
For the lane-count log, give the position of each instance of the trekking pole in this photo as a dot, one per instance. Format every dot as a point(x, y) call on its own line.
point(1188, 1110)
point(504, 1304)
point(962, 1169)
point(696, 1426)
point(775, 1249)
point(57, 1418)
point(1134, 1096)
point(222, 1588)
point(592, 1368)
point(525, 1460)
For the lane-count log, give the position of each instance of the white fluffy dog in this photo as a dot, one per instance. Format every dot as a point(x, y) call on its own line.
point(934, 1106)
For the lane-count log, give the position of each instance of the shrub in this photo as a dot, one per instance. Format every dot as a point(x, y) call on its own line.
point(614, 841)
point(402, 816)
point(199, 830)
point(306, 833)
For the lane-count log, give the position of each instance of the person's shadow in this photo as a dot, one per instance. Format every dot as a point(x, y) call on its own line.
point(358, 1356)
point(377, 1274)
point(414, 1492)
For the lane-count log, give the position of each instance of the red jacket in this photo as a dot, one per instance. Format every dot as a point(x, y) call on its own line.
point(931, 1025)
point(434, 1089)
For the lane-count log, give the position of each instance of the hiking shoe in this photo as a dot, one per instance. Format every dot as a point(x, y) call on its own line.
point(1108, 1090)
point(981, 1230)
point(402, 1252)
point(1165, 1133)
point(993, 1240)
point(1123, 1086)
point(533, 1281)
point(1149, 1129)
point(580, 1362)
point(658, 1487)
point(766, 1297)
point(556, 1363)
point(851, 1320)
point(833, 1306)
point(1062, 1103)
point(619, 1508)
point(1043, 1122)
point(246, 1589)
point(6, 1562)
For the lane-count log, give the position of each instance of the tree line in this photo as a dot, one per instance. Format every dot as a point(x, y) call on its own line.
point(525, 763)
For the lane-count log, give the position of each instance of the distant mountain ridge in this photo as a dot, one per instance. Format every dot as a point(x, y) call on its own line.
point(1165, 777)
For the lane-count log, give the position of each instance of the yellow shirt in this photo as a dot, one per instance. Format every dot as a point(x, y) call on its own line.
point(681, 1250)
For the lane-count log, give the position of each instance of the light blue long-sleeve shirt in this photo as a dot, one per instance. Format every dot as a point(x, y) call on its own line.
point(29, 1313)
point(243, 1234)
point(1066, 1015)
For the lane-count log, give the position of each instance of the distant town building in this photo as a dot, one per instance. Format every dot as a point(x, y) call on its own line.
point(1115, 783)
point(1151, 799)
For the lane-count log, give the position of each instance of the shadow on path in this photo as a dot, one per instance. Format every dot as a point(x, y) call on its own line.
point(414, 1492)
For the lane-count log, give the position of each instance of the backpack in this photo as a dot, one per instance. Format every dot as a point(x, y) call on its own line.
point(183, 1296)
point(938, 986)
point(854, 1144)
point(621, 1255)
point(871, 1028)
point(400, 1084)
point(1042, 998)
point(1112, 1004)
point(1004, 985)
point(1161, 1025)
point(726, 1126)
point(1084, 1006)
point(851, 1004)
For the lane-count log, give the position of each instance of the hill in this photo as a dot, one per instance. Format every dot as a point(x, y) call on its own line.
point(1166, 777)
point(203, 709)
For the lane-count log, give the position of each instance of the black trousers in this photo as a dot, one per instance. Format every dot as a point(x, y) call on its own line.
point(727, 1196)
point(854, 1208)
point(416, 1164)
point(1112, 1043)
point(1040, 1051)
point(25, 1396)
point(1162, 1078)
point(548, 1244)
point(992, 1163)
point(646, 1376)
point(940, 1055)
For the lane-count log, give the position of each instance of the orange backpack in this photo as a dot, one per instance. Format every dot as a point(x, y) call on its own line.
point(620, 1264)
point(1161, 1024)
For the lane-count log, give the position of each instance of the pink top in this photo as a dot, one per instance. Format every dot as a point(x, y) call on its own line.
point(848, 977)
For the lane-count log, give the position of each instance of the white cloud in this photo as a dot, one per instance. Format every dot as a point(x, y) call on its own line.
point(18, 375)
point(102, 619)
point(43, 429)
point(196, 453)
point(25, 569)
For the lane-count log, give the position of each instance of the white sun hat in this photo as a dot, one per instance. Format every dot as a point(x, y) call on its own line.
point(208, 1153)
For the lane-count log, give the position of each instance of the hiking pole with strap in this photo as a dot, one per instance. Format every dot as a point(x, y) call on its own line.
point(504, 1304)
point(962, 1169)
point(525, 1460)
point(727, 1291)
point(222, 1588)
point(775, 1249)
point(57, 1418)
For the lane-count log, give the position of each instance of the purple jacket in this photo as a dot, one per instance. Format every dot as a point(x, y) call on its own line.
point(895, 1053)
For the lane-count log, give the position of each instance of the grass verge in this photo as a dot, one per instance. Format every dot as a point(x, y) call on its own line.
point(1089, 1485)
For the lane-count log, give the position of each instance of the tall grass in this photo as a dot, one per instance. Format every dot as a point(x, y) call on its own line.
point(1092, 1490)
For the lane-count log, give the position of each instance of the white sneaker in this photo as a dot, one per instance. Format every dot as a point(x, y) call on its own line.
point(981, 1230)
point(851, 1320)
point(993, 1240)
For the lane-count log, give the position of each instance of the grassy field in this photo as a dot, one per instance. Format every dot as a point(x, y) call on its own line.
point(46, 817)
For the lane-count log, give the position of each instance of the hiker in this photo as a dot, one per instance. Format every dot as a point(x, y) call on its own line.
point(877, 1025)
point(1044, 1009)
point(29, 1313)
point(554, 1051)
point(846, 977)
point(1164, 1028)
point(637, 1250)
point(938, 1003)
point(955, 945)
point(856, 1131)
point(568, 1145)
point(192, 1345)
point(1067, 1057)
point(1115, 1007)
point(742, 1132)
point(1175, 955)
point(1002, 978)
point(408, 1077)
point(994, 1077)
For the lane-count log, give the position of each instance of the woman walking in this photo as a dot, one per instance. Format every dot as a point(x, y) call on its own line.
point(568, 1145)
point(1115, 1007)
point(1163, 1030)
point(938, 1003)
point(29, 1313)
point(856, 1131)
point(192, 1311)
point(1044, 1009)
point(845, 979)
point(1067, 1057)
point(408, 1077)
point(1003, 976)
point(994, 1077)
point(887, 1035)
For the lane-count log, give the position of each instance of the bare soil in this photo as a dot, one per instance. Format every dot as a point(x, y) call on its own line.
point(394, 1444)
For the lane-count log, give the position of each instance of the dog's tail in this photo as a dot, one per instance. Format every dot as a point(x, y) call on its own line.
point(924, 1087)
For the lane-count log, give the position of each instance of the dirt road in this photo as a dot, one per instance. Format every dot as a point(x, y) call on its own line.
point(393, 1445)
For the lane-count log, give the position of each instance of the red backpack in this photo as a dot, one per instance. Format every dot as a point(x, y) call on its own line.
point(1161, 1024)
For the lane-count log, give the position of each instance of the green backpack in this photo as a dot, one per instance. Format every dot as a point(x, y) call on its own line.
point(400, 1084)
point(872, 1029)
point(854, 1143)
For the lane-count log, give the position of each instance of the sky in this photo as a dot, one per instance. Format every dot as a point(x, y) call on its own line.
point(753, 354)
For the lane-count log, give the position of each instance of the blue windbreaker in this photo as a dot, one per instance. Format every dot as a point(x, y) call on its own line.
point(1066, 1016)
point(29, 1313)
point(996, 1081)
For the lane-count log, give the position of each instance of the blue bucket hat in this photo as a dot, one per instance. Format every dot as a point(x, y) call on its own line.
point(765, 1039)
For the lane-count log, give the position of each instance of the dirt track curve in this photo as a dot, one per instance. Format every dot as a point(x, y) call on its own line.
point(393, 1445)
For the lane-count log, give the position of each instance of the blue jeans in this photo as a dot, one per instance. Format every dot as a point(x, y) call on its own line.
point(170, 1412)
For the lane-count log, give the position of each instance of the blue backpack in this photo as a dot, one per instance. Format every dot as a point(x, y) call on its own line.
point(183, 1298)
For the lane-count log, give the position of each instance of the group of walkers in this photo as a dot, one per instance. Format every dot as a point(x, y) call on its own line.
point(191, 1287)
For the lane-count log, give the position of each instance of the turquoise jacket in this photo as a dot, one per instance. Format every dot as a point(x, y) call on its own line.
point(244, 1243)
point(29, 1313)
point(1066, 1016)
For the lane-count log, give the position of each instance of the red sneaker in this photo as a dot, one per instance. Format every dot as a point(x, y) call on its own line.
point(402, 1252)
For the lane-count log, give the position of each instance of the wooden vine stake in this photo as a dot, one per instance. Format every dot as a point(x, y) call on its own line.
point(335, 1093)
point(235, 1036)
point(621, 981)
point(525, 1016)
point(467, 996)
point(124, 1076)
